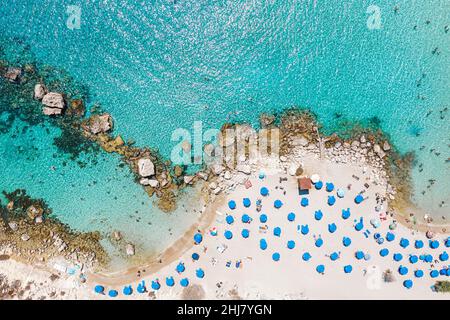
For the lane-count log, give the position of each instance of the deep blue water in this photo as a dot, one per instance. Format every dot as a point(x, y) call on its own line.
point(160, 65)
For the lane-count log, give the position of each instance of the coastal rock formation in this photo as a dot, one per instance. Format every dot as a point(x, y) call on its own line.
point(146, 168)
point(130, 249)
point(53, 103)
point(39, 91)
point(99, 123)
point(13, 74)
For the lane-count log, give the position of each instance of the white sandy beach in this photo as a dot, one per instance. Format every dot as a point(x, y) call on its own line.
point(259, 277)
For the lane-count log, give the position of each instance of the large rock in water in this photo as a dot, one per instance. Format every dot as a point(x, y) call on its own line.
point(39, 91)
point(100, 123)
point(53, 103)
point(146, 168)
point(13, 74)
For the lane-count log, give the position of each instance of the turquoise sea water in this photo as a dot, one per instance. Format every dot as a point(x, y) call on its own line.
point(160, 65)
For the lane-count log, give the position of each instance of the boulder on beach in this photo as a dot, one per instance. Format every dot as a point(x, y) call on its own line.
point(39, 91)
point(130, 249)
point(146, 168)
point(13, 74)
point(51, 111)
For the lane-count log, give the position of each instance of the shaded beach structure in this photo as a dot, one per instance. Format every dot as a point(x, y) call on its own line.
point(304, 229)
point(246, 202)
point(141, 288)
point(304, 185)
point(332, 227)
point(232, 204)
point(278, 204)
point(264, 191)
point(113, 293)
point(291, 216)
point(170, 282)
point(320, 269)
point(245, 233)
point(198, 238)
point(155, 285)
point(359, 255)
point(200, 273)
point(263, 244)
point(99, 289)
point(418, 273)
point(276, 256)
point(348, 268)
point(384, 252)
point(127, 290)
point(263, 218)
point(413, 259)
point(404, 243)
point(306, 256)
point(418, 244)
point(229, 219)
point(408, 284)
point(277, 231)
point(184, 282)
point(390, 236)
point(180, 267)
point(345, 214)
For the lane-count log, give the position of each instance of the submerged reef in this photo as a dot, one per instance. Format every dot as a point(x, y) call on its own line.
point(30, 232)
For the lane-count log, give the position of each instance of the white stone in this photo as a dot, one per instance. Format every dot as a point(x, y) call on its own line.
point(386, 146)
point(217, 190)
point(51, 111)
point(153, 183)
point(13, 226)
point(25, 237)
point(13, 74)
point(217, 169)
point(227, 175)
point(39, 91)
point(300, 141)
point(188, 179)
point(244, 168)
point(146, 167)
point(130, 249)
point(53, 100)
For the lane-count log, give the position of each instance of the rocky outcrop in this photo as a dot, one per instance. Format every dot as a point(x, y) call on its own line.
point(99, 123)
point(53, 103)
point(39, 91)
point(13, 74)
point(146, 168)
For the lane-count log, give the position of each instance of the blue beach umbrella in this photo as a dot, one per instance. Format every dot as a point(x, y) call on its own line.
point(320, 268)
point(447, 242)
point(345, 214)
point(155, 285)
point(402, 270)
point(263, 244)
point(359, 255)
point(276, 256)
point(358, 199)
point(228, 234)
point(380, 240)
point(331, 200)
point(184, 282)
point(263, 218)
point(408, 284)
point(198, 238)
point(318, 185)
point(390, 236)
point(180, 267)
point(304, 202)
point(334, 256)
point(428, 258)
point(384, 252)
point(195, 256)
point(443, 272)
point(99, 289)
point(246, 202)
point(418, 273)
point(232, 204)
point(306, 256)
point(278, 204)
point(264, 191)
point(418, 244)
point(141, 287)
point(127, 290)
point(434, 244)
point(291, 244)
point(329, 186)
point(229, 219)
point(291, 216)
point(318, 215)
point(360, 225)
point(332, 227)
point(245, 233)
point(319, 242)
point(200, 273)
point(340, 193)
point(170, 282)
point(245, 218)
point(348, 268)
point(404, 242)
point(113, 293)
point(443, 256)
point(304, 229)
point(434, 273)
point(413, 258)
point(277, 231)
point(448, 272)
point(346, 241)
point(398, 257)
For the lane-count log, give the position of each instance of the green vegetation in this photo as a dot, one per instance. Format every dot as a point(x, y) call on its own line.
point(442, 286)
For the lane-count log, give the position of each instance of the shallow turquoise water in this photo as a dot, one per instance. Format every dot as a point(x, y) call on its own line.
point(161, 65)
